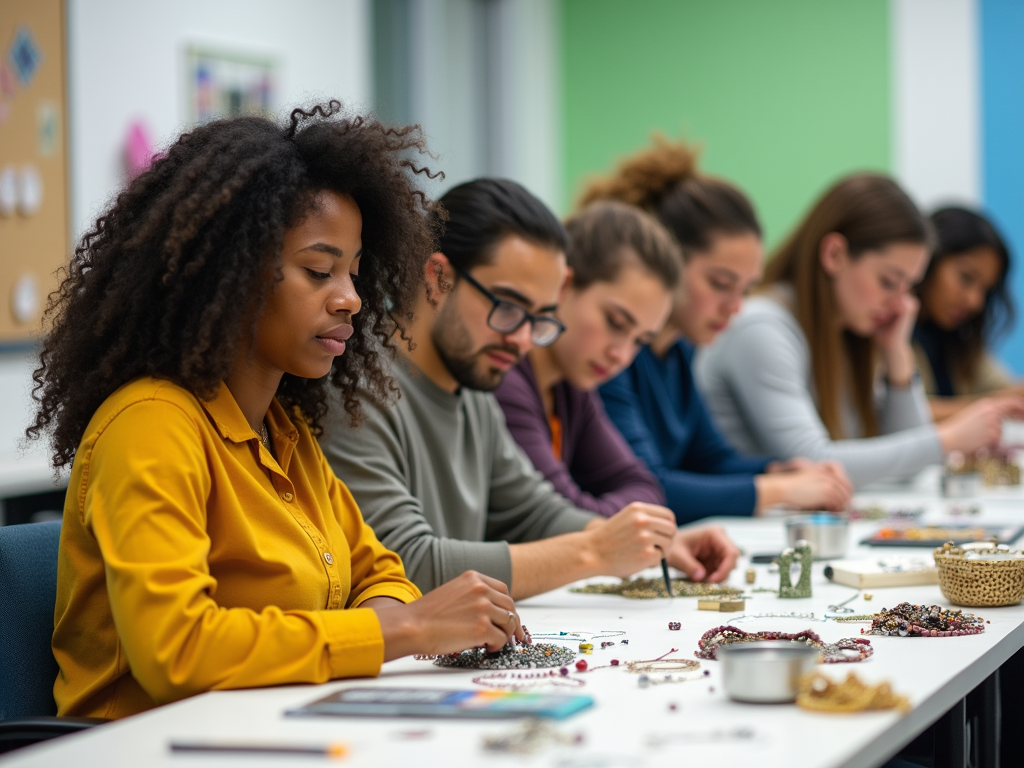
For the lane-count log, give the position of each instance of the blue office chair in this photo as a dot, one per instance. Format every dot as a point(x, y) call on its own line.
point(28, 590)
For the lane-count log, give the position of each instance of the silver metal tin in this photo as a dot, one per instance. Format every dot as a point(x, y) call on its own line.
point(828, 536)
point(961, 485)
point(765, 672)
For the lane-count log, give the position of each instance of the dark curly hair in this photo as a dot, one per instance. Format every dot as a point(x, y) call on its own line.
point(175, 272)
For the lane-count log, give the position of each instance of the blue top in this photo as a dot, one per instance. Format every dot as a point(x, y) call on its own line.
point(657, 408)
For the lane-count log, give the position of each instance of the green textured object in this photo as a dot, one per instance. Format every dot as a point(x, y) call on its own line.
point(801, 553)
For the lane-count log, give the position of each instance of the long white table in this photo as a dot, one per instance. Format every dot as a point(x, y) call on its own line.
point(690, 723)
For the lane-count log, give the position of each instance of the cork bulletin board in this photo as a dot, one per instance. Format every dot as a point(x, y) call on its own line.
point(34, 219)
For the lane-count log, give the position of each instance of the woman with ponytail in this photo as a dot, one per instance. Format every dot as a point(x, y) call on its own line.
point(654, 403)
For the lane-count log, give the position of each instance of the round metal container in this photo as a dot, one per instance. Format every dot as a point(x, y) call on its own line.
point(961, 485)
point(827, 535)
point(765, 672)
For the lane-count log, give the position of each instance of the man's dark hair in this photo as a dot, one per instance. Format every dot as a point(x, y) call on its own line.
point(174, 275)
point(481, 213)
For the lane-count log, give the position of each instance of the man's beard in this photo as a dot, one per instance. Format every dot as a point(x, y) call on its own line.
point(455, 348)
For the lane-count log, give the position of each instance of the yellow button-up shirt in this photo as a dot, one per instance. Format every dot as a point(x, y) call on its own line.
point(191, 559)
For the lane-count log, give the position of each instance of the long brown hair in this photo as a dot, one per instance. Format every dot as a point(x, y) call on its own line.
point(871, 212)
point(663, 179)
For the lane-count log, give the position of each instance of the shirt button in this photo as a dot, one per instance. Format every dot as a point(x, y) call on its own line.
point(329, 558)
point(287, 496)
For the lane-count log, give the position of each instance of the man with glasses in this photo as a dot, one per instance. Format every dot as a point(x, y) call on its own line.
point(437, 474)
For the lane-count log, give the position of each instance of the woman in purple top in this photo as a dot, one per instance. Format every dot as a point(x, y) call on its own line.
point(623, 269)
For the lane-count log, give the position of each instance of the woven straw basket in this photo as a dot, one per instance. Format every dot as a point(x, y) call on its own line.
point(977, 583)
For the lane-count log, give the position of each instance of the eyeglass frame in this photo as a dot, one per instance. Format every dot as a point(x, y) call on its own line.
point(528, 317)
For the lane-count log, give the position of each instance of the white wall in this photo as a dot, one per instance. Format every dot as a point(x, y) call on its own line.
point(126, 61)
point(936, 100)
point(531, 111)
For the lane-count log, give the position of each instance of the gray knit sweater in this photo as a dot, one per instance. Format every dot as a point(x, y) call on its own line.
point(757, 382)
point(442, 482)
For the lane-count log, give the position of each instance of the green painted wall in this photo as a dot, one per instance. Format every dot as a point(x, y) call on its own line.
point(784, 95)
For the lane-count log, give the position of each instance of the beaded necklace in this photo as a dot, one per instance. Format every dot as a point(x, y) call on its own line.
point(517, 681)
point(909, 620)
point(809, 616)
point(647, 589)
point(849, 649)
point(580, 633)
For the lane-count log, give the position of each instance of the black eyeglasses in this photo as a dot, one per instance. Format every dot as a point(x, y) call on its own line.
point(507, 317)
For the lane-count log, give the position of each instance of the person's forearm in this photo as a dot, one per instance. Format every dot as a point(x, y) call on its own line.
point(900, 366)
point(944, 407)
point(540, 566)
point(400, 637)
point(771, 490)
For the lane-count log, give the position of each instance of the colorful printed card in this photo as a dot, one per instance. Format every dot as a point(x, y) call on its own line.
point(438, 702)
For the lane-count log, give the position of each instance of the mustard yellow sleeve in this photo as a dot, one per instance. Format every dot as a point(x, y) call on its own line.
point(145, 501)
point(376, 570)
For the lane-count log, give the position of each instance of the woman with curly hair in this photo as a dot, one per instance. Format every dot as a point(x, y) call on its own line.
point(192, 345)
point(965, 304)
point(655, 403)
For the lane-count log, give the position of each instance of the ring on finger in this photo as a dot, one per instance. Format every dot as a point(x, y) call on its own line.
point(511, 617)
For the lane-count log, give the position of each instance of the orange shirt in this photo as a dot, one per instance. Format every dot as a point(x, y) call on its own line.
point(192, 560)
point(555, 425)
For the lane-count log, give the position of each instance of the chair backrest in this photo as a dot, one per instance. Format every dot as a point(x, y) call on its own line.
point(28, 591)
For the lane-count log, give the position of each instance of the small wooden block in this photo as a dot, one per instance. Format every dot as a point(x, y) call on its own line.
point(723, 606)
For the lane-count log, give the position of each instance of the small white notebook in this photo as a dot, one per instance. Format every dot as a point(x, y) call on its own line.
point(886, 572)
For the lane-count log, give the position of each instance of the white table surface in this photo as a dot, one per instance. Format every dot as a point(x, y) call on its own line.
point(628, 726)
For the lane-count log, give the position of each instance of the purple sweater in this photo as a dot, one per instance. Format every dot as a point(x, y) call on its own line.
point(598, 470)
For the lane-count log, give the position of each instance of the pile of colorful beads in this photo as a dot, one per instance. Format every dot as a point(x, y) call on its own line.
point(510, 657)
point(909, 620)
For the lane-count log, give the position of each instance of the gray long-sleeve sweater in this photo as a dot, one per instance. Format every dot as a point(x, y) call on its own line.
point(442, 482)
point(757, 382)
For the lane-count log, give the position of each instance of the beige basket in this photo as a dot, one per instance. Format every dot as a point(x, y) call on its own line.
point(977, 583)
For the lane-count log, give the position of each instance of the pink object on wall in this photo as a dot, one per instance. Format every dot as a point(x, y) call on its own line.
point(138, 149)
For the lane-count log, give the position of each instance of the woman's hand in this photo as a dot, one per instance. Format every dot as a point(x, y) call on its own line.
point(821, 485)
point(893, 342)
point(979, 425)
point(470, 611)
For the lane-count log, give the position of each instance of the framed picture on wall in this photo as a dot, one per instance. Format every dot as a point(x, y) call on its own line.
point(225, 83)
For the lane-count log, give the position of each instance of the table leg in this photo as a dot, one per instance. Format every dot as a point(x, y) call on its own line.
point(985, 713)
point(951, 740)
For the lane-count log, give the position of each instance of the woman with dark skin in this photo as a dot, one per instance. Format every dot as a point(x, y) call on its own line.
point(965, 304)
point(192, 346)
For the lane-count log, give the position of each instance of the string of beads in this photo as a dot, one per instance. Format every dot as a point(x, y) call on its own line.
point(849, 649)
point(518, 681)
